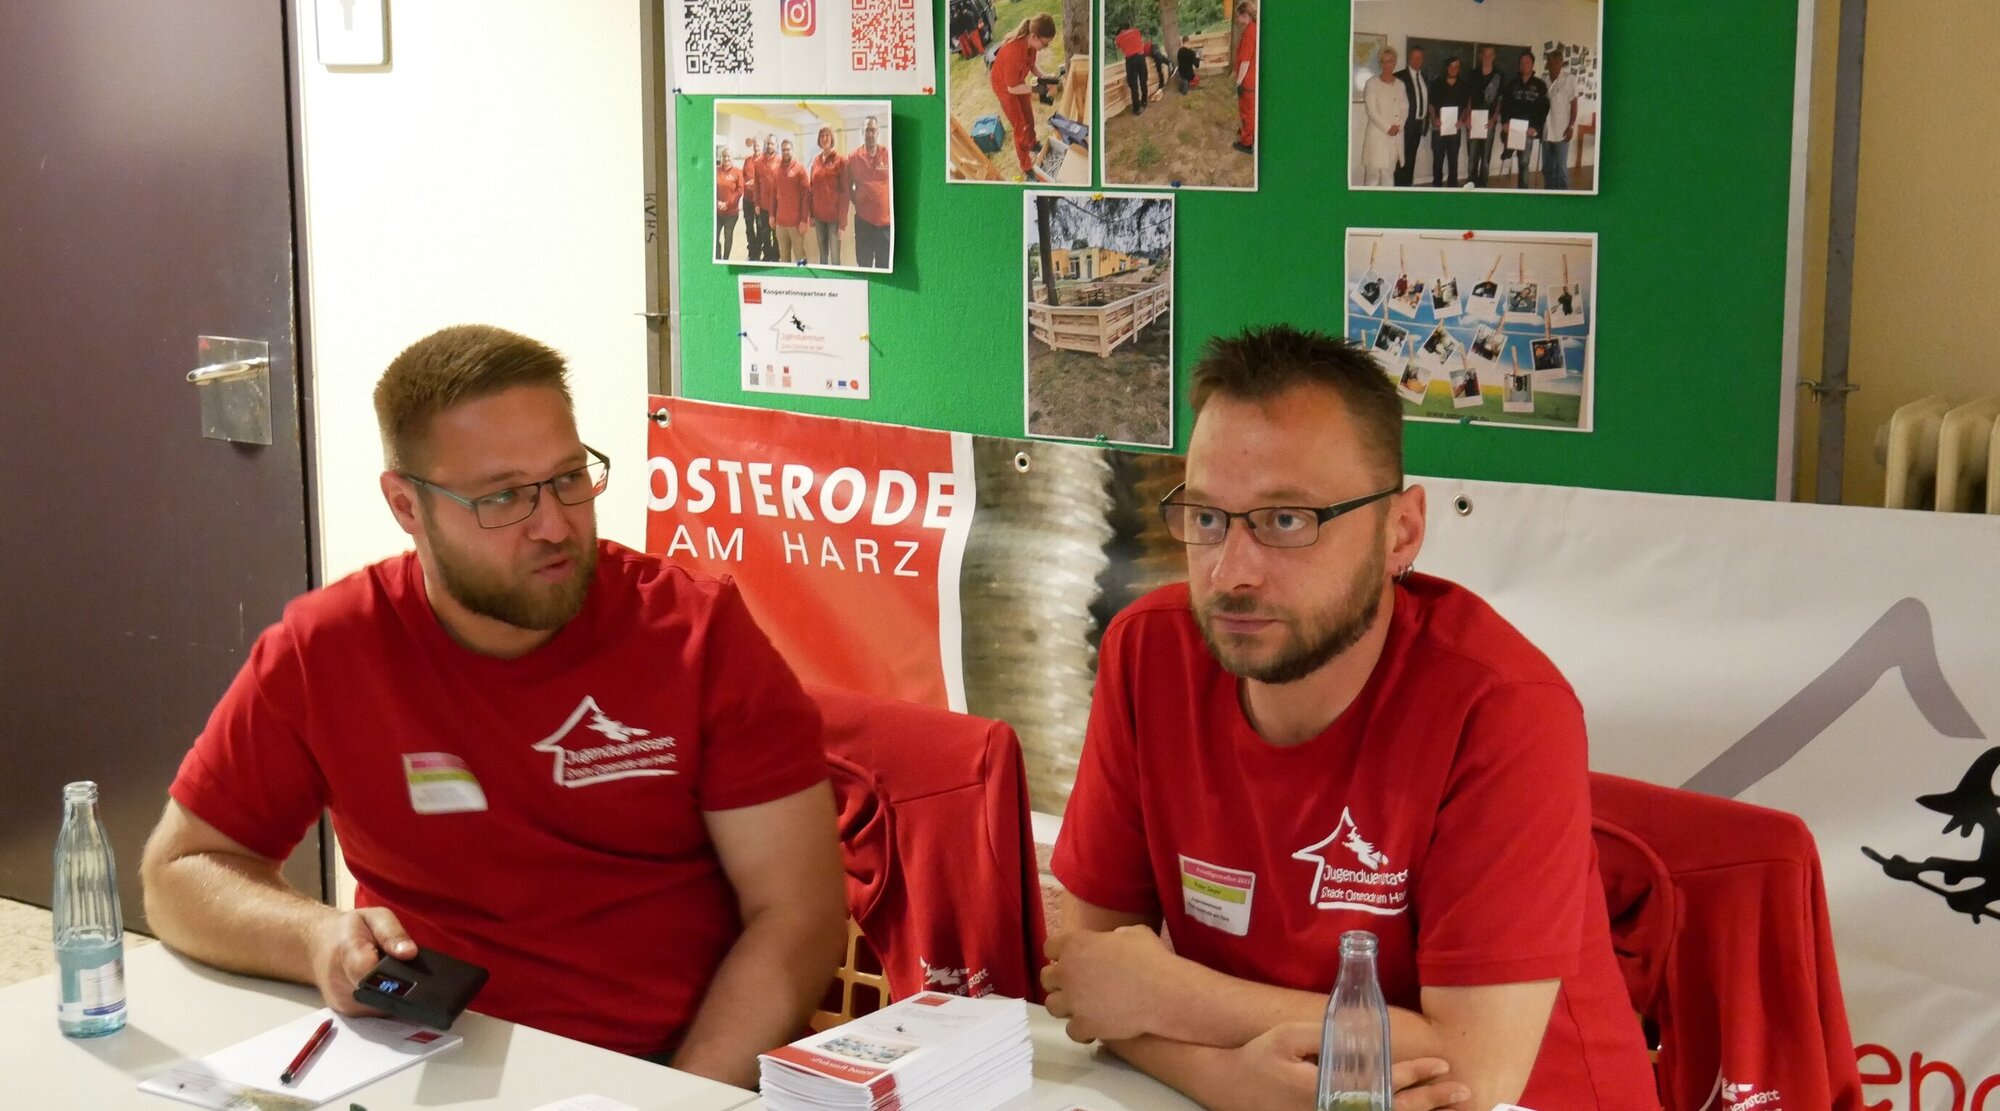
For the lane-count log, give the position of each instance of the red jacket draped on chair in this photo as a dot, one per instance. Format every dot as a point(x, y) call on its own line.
point(1718, 913)
point(940, 857)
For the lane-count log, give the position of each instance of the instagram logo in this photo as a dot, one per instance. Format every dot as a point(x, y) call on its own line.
point(798, 17)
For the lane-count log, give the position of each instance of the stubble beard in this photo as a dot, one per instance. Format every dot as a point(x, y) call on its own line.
point(519, 600)
point(1311, 642)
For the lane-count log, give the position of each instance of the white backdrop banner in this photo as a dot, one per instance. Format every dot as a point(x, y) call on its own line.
point(1842, 664)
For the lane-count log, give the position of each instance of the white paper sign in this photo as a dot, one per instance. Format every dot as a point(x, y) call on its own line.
point(1448, 121)
point(804, 336)
point(1517, 134)
point(801, 47)
point(1479, 118)
point(1859, 697)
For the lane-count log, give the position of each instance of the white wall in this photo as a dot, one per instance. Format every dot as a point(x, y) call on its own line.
point(1523, 22)
point(491, 173)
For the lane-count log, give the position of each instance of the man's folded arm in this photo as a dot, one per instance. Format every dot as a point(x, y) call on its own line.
point(1490, 1033)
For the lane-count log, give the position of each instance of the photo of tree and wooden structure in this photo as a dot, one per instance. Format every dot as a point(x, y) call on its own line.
point(1098, 321)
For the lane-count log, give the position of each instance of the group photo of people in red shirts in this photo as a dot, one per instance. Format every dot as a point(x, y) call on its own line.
point(804, 181)
point(1180, 85)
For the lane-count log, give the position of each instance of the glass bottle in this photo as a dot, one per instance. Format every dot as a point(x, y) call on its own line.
point(89, 928)
point(1354, 1044)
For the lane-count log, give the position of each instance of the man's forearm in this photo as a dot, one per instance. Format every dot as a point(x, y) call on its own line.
point(1202, 1006)
point(233, 913)
point(761, 996)
point(1198, 1072)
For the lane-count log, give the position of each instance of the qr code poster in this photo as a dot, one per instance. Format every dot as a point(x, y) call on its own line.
point(802, 47)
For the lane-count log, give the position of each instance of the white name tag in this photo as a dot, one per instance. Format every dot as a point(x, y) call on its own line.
point(440, 783)
point(1217, 896)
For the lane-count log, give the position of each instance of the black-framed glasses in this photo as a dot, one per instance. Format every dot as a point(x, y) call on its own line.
point(1274, 526)
point(518, 503)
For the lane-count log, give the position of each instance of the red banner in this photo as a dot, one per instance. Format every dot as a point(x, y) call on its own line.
point(827, 526)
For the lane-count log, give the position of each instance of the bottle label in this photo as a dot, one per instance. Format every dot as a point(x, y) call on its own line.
point(100, 991)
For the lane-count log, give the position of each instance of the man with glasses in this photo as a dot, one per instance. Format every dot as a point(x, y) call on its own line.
point(576, 765)
point(1308, 738)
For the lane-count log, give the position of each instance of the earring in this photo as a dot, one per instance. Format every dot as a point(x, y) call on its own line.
point(1402, 574)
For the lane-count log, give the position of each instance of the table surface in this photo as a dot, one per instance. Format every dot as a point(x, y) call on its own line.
point(1071, 1075)
point(181, 1009)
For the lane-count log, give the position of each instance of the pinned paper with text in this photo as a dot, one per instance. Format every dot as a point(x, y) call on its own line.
point(802, 47)
point(804, 336)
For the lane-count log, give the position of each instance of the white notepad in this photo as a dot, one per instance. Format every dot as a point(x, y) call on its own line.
point(361, 1051)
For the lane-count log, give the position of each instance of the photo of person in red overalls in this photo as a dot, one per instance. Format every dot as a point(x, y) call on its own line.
point(1245, 65)
point(1012, 75)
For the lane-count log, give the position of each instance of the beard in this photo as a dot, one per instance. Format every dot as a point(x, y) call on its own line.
point(518, 598)
point(1311, 640)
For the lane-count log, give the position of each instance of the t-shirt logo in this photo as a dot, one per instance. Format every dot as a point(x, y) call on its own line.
point(1337, 886)
point(1743, 1097)
point(593, 747)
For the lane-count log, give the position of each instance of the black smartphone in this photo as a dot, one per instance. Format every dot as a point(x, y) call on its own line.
point(429, 988)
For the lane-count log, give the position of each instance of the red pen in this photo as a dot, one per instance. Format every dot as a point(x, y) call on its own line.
point(306, 1052)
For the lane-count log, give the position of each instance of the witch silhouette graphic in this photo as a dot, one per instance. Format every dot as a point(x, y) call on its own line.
point(1972, 805)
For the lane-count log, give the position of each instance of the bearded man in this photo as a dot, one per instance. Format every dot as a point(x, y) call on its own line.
point(1305, 739)
point(576, 765)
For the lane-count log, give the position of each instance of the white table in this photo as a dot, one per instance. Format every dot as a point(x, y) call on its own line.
point(181, 1009)
point(1068, 1074)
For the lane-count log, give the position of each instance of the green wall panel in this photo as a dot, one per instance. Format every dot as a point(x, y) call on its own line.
point(1692, 220)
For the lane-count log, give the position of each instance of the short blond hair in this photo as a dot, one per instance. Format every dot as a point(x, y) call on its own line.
point(452, 366)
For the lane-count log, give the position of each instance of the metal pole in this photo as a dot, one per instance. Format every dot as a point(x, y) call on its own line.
point(662, 273)
point(1833, 387)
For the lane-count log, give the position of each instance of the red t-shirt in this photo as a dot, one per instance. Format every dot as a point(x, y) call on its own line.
point(767, 181)
point(1131, 42)
point(788, 193)
point(1447, 810)
point(869, 176)
point(1011, 66)
point(539, 816)
point(748, 167)
point(728, 190)
point(829, 189)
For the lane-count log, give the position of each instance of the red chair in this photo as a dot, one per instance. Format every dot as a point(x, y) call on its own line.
point(935, 835)
point(1718, 914)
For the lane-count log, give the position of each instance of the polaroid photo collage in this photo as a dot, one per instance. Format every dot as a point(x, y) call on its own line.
point(1487, 340)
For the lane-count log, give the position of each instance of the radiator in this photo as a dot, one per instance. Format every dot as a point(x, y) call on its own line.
point(1943, 456)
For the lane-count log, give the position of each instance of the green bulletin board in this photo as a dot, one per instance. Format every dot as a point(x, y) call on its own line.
point(1692, 218)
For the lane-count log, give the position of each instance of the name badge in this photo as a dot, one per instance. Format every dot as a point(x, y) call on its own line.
point(1217, 896)
point(440, 783)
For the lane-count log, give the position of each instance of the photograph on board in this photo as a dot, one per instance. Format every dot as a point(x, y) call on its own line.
point(1180, 80)
point(1416, 381)
point(1388, 345)
point(1458, 94)
point(1530, 313)
point(1099, 307)
point(1017, 91)
point(804, 181)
